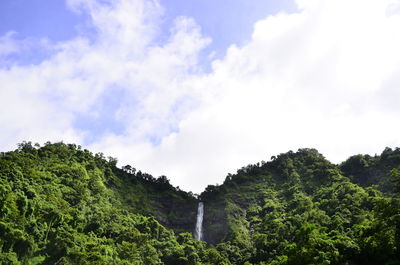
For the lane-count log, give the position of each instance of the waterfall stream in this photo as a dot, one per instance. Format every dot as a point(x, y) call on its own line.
point(199, 222)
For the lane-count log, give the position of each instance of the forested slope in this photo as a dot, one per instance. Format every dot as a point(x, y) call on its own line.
point(60, 204)
point(63, 205)
point(301, 209)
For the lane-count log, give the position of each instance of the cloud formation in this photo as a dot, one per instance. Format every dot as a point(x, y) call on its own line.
point(117, 51)
point(325, 76)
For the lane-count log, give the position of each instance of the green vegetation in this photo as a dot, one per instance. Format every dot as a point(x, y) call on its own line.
point(63, 205)
point(60, 204)
point(301, 209)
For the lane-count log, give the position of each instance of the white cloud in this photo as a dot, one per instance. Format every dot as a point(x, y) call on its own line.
point(8, 44)
point(42, 102)
point(325, 77)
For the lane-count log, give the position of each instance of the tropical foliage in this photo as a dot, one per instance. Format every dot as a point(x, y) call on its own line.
point(60, 204)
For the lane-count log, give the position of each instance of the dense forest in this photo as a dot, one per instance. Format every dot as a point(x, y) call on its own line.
point(61, 204)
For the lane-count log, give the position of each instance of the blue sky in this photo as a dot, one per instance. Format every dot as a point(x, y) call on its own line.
point(225, 22)
point(38, 18)
point(197, 89)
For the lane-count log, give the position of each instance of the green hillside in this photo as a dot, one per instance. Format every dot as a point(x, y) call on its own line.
point(301, 209)
point(60, 204)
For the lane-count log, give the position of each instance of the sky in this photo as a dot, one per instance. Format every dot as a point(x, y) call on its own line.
point(194, 89)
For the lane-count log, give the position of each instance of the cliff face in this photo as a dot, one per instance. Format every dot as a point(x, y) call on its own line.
point(214, 222)
point(176, 213)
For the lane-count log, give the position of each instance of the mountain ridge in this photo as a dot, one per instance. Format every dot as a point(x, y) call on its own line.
point(298, 208)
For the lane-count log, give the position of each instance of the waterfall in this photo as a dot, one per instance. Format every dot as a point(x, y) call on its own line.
point(199, 222)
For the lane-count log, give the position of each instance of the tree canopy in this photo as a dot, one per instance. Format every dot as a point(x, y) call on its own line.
point(61, 204)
